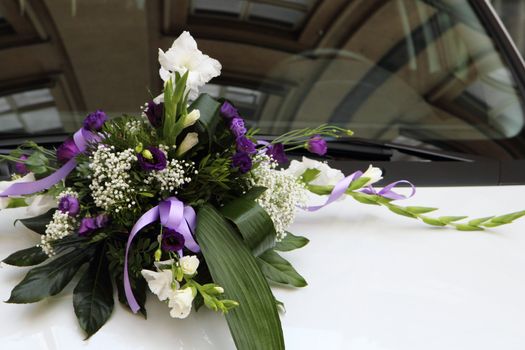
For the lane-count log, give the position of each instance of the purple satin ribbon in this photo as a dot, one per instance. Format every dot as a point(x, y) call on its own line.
point(341, 187)
point(173, 214)
point(81, 138)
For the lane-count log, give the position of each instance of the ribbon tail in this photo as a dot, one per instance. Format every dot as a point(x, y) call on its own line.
point(388, 192)
point(338, 191)
point(190, 219)
point(22, 188)
point(150, 216)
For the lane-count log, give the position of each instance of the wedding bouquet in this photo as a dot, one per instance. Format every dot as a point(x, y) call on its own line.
point(185, 201)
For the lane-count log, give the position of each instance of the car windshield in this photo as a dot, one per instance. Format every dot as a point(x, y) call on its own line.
point(420, 73)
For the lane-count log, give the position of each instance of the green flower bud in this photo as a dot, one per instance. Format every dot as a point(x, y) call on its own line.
point(147, 154)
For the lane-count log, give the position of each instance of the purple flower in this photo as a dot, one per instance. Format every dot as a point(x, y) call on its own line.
point(228, 111)
point(20, 167)
point(172, 241)
point(243, 161)
point(155, 113)
point(317, 145)
point(276, 151)
point(244, 144)
point(67, 151)
point(94, 121)
point(88, 225)
point(152, 158)
point(69, 204)
point(237, 127)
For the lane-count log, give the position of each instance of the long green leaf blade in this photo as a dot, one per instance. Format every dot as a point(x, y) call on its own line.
point(93, 296)
point(255, 324)
point(47, 280)
point(291, 242)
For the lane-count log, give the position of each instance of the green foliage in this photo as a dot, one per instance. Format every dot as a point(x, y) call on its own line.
point(253, 222)
point(291, 242)
point(279, 270)
point(175, 109)
point(38, 223)
point(26, 257)
point(15, 202)
point(255, 323)
point(49, 279)
point(37, 163)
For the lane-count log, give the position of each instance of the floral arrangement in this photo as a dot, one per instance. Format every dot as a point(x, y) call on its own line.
point(185, 201)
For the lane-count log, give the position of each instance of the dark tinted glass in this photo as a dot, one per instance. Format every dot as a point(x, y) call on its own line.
point(423, 73)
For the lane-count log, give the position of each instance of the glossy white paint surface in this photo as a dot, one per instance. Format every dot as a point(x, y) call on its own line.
point(377, 281)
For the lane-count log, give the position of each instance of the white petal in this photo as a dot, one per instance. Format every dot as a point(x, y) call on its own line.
point(184, 42)
point(40, 204)
point(159, 282)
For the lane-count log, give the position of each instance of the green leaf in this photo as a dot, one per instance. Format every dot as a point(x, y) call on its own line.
point(255, 324)
point(477, 222)
point(209, 115)
point(291, 242)
point(507, 219)
point(253, 222)
point(47, 280)
point(420, 210)
point(432, 221)
point(357, 184)
point(26, 257)
point(38, 223)
point(448, 219)
point(364, 198)
point(37, 162)
point(93, 295)
point(254, 193)
point(466, 227)
point(310, 175)
point(320, 190)
point(277, 269)
point(16, 203)
point(400, 211)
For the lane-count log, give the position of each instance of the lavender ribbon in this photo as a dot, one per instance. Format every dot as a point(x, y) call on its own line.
point(81, 138)
point(173, 214)
point(341, 187)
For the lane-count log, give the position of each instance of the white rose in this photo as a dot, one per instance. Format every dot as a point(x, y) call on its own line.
point(189, 264)
point(375, 174)
point(159, 282)
point(184, 56)
point(4, 201)
point(191, 139)
point(180, 302)
point(327, 176)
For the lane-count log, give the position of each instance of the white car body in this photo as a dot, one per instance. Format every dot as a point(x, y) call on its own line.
point(377, 281)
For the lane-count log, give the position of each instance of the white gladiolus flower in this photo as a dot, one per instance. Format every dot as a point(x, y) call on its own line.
point(4, 201)
point(191, 118)
point(375, 174)
point(185, 56)
point(40, 204)
point(160, 283)
point(180, 302)
point(189, 264)
point(327, 175)
point(191, 139)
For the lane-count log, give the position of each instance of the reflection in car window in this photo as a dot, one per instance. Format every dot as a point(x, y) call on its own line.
point(411, 71)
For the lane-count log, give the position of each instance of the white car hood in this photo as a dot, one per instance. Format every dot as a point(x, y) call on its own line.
point(377, 281)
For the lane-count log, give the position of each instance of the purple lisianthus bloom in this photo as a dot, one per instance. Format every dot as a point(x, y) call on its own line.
point(243, 161)
point(88, 225)
point(172, 241)
point(155, 113)
point(228, 111)
point(237, 127)
point(20, 167)
point(94, 121)
point(244, 144)
point(69, 204)
point(276, 151)
point(317, 145)
point(152, 158)
point(67, 151)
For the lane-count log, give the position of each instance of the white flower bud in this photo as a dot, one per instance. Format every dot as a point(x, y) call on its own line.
point(191, 118)
point(189, 141)
point(180, 302)
point(189, 264)
point(218, 289)
point(374, 174)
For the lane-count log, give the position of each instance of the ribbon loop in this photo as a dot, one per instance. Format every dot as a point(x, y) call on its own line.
point(173, 214)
